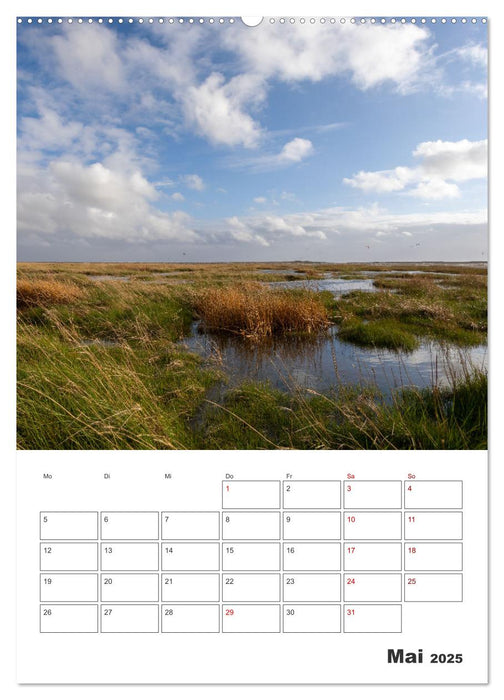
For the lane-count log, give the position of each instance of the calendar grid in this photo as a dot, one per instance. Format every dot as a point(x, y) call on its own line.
point(279, 556)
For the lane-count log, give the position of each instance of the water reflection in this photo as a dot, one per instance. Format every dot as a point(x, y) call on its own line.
point(284, 271)
point(326, 362)
point(406, 272)
point(335, 286)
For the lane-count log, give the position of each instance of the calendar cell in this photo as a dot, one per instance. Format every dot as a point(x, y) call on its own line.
point(372, 526)
point(180, 588)
point(311, 526)
point(190, 526)
point(312, 618)
point(129, 618)
point(260, 588)
point(313, 556)
point(372, 494)
point(312, 494)
point(432, 556)
point(130, 556)
point(142, 588)
point(324, 588)
point(362, 588)
point(250, 618)
point(190, 556)
point(68, 587)
point(68, 556)
point(69, 618)
point(251, 494)
point(190, 618)
point(250, 556)
point(372, 618)
point(59, 525)
point(372, 556)
point(439, 588)
point(250, 526)
point(133, 525)
point(432, 526)
point(433, 494)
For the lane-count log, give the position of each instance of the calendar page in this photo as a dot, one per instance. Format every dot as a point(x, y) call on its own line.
point(265, 571)
point(252, 350)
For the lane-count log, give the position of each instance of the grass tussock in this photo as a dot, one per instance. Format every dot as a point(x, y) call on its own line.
point(46, 292)
point(380, 334)
point(256, 312)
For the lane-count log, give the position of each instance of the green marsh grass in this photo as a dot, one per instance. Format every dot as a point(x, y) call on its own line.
point(379, 334)
point(138, 395)
point(444, 308)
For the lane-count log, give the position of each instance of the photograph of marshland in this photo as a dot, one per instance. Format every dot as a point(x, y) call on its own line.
point(237, 356)
point(311, 201)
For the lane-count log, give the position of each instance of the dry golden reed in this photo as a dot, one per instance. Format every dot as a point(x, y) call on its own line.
point(256, 312)
point(46, 292)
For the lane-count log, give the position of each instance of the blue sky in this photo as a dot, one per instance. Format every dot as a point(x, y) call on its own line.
point(202, 142)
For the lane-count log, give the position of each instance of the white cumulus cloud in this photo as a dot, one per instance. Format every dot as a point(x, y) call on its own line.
point(369, 54)
point(435, 188)
point(216, 109)
point(295, 150)
point(194, 182)
point(442, 165)
point(453, 160)
point(381, 180)
point(70, 200)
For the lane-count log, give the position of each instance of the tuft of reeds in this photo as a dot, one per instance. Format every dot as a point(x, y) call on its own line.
point(46, 292)
point(257, 312)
